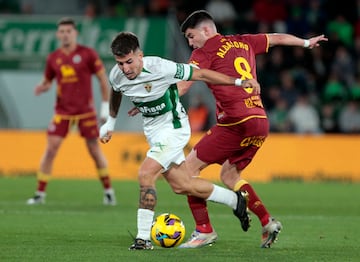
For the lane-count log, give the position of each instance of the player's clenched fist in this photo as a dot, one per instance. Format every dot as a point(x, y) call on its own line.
point(107, 129)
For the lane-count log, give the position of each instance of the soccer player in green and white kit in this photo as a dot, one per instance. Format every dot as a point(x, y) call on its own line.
point(149, 82)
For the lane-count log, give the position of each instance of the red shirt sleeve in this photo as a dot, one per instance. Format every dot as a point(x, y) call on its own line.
point(259, 42)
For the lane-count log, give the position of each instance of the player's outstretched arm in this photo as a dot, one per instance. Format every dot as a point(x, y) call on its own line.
point(108, 127)
point(291, 40)
point(104, 89)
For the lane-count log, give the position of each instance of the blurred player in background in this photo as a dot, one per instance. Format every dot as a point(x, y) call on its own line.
point(242, 125)
point(72, 65)
point(149, 82)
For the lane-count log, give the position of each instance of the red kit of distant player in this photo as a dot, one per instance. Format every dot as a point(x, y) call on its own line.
point(74, 95)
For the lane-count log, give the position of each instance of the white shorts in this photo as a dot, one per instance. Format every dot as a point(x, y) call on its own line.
point(167, 144)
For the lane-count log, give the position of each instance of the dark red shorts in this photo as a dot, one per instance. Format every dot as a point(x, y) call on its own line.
point(86, 124)
point(238, 143)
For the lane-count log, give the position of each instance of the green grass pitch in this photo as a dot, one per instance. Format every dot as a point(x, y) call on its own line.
point(321, 223)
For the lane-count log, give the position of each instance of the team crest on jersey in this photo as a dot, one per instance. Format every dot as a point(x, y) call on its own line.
point(77, 59)
point(148, 87)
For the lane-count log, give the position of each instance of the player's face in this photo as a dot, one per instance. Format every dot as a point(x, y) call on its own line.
point(67, 35)
point(131, 64)
point(196, 37)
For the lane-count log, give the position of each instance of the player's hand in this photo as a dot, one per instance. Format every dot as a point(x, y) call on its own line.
point(252, 83)
point(106, 130)
point(133, 111)
point(40, 88)
point(105, 138)
point(314, 41)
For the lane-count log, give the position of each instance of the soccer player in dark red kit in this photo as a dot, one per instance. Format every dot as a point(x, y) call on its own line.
point(242, 125)
point(72, 65)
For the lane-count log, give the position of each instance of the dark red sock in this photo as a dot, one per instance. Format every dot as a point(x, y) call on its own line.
point(105, 180)
point(42, 185)
point(255, 204)
point(200, 213)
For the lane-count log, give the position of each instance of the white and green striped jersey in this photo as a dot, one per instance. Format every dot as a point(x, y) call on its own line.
point(154, 91)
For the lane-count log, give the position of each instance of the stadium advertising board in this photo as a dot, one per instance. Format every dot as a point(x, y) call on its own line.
point(25, 42)
point(282, 157)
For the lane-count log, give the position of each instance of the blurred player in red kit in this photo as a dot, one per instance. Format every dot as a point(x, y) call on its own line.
point(242, 125)
point(72, 65)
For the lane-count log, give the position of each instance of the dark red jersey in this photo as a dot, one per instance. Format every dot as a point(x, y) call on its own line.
point(233, 55)
point(73, 73)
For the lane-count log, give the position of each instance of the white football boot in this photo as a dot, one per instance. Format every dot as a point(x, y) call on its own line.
point(270, 232)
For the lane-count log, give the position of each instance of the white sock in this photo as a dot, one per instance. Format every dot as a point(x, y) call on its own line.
point(145, 218)
point(40, 193)
point(109, 191)
point(223, 196)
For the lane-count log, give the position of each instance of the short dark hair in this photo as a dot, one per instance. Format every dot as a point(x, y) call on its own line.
point(66, 21)
point(194, 19)
point(124, 43)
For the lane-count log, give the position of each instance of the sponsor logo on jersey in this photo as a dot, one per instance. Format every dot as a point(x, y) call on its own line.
point(154, 110)
point(253, 101)
point(68, 74)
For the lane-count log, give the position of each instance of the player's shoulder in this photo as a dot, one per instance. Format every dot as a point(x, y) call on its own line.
point(56, 52)
point(153, 60)
point(85, 49)
point(115, 70)
point(52, 56)
point(249, 36)
point(155, 63)
point(234, 36)
point(115, 74)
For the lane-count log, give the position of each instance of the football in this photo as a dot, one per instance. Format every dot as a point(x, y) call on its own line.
point(167, 230)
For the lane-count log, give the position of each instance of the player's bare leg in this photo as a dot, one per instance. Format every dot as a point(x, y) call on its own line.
point(44, 173)
point(148, 174)
point(102, 170)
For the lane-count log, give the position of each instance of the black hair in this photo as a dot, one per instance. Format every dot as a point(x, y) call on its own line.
point(194, 19)
point(124, 43)
point(67, 21)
